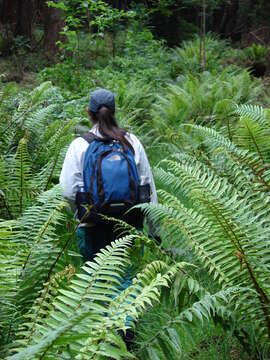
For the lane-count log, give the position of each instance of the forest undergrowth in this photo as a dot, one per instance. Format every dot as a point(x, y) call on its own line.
point(204, 292)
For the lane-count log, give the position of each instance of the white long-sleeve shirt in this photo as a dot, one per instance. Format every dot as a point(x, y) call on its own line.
point(71, 177)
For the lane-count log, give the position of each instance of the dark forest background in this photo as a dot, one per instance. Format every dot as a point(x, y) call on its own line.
point(173, 21)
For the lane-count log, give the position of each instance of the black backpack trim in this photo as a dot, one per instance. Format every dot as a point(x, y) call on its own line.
point(89, 137)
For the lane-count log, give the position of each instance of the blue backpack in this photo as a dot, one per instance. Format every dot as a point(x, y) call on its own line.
point(111, 181)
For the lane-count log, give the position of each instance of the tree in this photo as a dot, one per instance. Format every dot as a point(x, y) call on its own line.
point(96, 16)
point(9, 12)
point(19, 16)
point(53, 24)
point(25, 12)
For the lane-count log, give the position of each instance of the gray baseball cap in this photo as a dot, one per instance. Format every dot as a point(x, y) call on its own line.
point(101, 97)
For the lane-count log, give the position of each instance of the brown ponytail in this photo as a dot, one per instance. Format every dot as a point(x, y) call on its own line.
point(109, 128)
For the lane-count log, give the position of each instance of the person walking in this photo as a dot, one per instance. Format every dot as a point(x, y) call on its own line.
point(107, 169)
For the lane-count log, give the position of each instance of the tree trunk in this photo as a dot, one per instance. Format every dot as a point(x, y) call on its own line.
point(9, 12)
point(53, 24)
point(25, 18)
point(204, 35)
point(18, 15)
point(230, 28)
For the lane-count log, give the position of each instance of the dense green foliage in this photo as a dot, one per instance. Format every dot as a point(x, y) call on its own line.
point(210, 146)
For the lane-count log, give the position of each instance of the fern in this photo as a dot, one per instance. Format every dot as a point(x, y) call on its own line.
point(252, 131)
point(226, 226)
point(98, 308)
point(14, 129)
point(28, 254)
point(258, 171)
point(40, 243)
point(34, 148)
point(199, 98)
point(7, 281)
point(167, 341)
point(254, 112)
point(215, 201)
point(18, 187)
point(43, 304)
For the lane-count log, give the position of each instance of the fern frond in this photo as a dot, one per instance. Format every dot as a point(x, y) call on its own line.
point(196, 230)
point(244, 158)
point(50, 155)
point(167, 341)
point(218, 221)
point(36, 121)
point(40, 92)
point(7, 280)
point(88, 291)
point(133, 301)
point(221, 198)
point(43, 304)
point(95, 292)
point(18, 188)
point(254, 112)
point(40, 256)
point(28, 253)
point(252, 131)
point(51, 340)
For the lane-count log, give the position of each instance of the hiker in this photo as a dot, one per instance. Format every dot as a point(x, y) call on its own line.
point(109, 169)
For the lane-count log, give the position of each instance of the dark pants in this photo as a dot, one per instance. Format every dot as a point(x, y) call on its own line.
point(92, 239)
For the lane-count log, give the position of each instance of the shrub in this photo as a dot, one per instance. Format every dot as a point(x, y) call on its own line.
point(68, 76)
point(255, 53)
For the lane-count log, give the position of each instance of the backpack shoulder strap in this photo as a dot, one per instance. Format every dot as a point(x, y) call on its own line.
point(89, 137)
